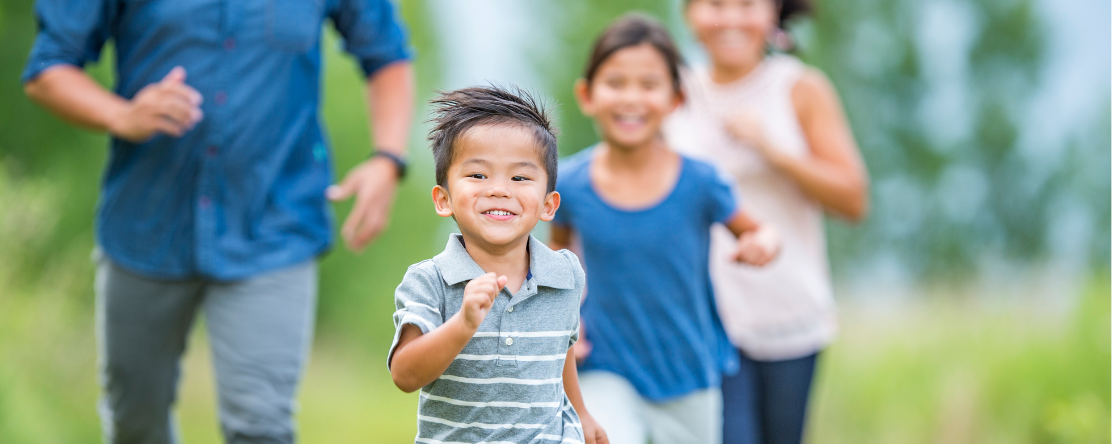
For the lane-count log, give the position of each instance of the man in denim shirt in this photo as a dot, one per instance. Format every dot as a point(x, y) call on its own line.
point(214, 197)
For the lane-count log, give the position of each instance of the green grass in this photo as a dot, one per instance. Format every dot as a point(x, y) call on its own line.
point(943, 369)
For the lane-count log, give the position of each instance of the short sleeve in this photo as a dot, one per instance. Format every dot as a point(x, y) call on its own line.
point(373, 32)
point(417, 301)
point(70, 32)
point(724, 197)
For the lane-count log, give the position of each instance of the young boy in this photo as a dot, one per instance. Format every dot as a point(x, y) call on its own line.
point(485, 328)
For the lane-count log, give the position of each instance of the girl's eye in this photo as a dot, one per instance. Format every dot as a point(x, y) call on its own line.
point(478, 176)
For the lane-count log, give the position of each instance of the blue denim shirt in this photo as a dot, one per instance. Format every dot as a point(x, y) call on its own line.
point(243, 192)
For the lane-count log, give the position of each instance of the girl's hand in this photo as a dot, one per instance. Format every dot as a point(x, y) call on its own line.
point(478, 298)
point(592, 431)
point(758, 247)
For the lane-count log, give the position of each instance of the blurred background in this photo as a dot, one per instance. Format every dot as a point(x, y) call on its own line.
point(975, 297)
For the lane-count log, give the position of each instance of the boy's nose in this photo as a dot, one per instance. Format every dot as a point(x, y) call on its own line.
point(498, 190)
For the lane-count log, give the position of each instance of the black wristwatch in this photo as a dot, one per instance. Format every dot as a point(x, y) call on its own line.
point(399, 162)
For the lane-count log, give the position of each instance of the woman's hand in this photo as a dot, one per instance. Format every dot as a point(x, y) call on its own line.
point(746, 127)
point(592, 431)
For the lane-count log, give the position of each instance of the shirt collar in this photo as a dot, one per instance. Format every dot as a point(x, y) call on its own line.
point(548, 268)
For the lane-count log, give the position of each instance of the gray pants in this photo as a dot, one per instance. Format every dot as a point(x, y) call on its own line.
point(628, 418)
point(260, 330)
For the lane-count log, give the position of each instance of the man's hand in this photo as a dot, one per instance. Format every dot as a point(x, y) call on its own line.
point(478, 298)
point(758, 247)
point(592, 431)
point(168, 107)
point(373, 183)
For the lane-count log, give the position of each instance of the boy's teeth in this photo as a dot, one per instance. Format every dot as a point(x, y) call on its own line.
point(499, 213)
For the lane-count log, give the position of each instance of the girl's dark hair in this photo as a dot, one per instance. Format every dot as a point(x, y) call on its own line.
point(634, 29)
point(456, 112)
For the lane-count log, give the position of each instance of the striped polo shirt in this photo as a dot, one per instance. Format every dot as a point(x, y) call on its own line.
point(506, 386)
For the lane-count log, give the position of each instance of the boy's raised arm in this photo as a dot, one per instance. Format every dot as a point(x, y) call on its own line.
point(419, 359)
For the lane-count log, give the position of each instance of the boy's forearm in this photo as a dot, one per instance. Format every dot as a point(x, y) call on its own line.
point(571, 385)
point(418, 362)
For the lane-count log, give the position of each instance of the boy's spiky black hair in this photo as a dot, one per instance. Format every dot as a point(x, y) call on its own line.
point(456, 112)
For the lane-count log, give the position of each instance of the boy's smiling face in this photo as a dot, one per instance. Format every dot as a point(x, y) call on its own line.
point(496, 186)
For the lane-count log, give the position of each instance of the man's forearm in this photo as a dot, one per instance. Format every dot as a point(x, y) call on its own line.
point(68, 92)
point(390, 99)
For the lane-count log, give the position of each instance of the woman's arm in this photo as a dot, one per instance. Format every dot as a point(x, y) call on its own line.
point(592, 432)
point(834, 174)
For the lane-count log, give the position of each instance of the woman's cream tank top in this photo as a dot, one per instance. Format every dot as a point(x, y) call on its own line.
point(786, 309)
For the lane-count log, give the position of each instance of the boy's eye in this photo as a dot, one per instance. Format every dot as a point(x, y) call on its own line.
point(519, 178)
point(478, 176)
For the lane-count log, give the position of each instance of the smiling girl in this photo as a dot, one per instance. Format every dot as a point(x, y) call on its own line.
point(642, 214)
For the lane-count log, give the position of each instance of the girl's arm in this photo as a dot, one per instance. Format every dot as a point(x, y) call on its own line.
point(559, 237)
point(757, 244)
point(834, 174)
point(592, 432)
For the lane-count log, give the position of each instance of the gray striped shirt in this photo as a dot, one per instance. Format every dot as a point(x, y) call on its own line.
point(506, 386)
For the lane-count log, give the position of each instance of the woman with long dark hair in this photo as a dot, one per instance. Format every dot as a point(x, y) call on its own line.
point(777, 126)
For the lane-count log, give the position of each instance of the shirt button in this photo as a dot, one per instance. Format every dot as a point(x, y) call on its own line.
point(212, 150)
point(221, 97)
point(205, 202)
point(511, 309)
point(509, 341)
point(229, 44)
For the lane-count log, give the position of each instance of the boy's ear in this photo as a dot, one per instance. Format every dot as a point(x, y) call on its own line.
point(442, 201)
point(583, 97)
point(551, 204)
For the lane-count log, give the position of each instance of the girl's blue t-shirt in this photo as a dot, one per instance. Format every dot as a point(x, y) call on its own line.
point(649, 312)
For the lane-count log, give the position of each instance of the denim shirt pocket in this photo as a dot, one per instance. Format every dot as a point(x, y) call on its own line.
point(293, 25)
